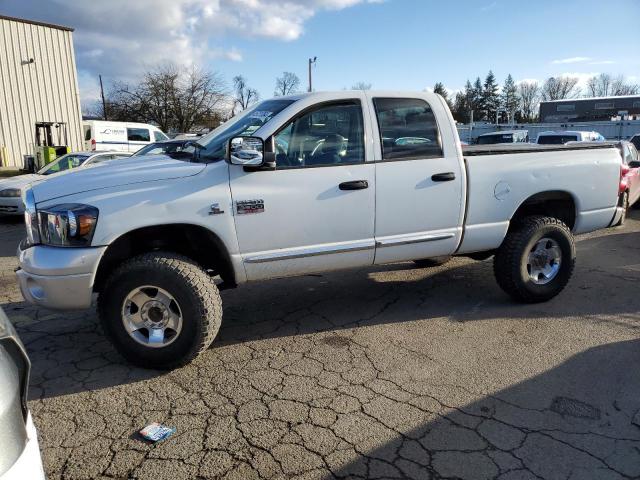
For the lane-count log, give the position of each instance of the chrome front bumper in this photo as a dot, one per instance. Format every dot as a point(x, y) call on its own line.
point(58, 278)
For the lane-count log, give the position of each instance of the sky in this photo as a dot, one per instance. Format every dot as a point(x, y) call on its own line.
point(391, 44)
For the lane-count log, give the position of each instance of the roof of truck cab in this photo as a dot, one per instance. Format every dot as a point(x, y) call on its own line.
point(566, 132)
point(372, 93)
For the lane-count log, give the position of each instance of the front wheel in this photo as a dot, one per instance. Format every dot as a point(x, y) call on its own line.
point(536, 259)
point(160, 310)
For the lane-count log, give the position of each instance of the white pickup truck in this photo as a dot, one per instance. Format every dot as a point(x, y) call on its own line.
point(302, 184)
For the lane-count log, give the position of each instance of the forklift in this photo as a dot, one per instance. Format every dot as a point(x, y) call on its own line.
point(51, 143)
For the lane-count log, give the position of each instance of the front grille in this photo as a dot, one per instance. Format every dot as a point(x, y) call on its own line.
point(8, 209)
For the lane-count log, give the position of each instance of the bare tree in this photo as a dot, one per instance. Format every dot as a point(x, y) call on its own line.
point(529, 93)
point(244, 95)
point(559, 88)
point(287, 84)
point(604, 85)
point(171, 96)
point(361, 86)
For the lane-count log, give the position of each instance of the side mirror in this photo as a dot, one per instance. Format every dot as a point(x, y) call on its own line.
point(246, 151)
point(634, 164)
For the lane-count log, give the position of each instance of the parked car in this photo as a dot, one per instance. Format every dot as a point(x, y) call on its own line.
point(636, 141)
point(630, 177)
point(162, 237)
point(11, 188)
point(168, 147)
point(505, 136)
point(19, 451)
point(562, 137)
point(101, 135)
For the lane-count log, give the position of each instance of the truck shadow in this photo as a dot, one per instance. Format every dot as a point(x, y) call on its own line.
point(603, 289)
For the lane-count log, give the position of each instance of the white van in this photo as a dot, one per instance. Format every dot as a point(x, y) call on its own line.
point(562, 137)
point(125, 136)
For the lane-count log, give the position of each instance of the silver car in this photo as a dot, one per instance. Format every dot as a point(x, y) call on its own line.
point(19, 452)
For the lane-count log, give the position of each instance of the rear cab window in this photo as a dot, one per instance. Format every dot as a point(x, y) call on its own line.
point(408, 129)
point(138, 135)
point(556, 139)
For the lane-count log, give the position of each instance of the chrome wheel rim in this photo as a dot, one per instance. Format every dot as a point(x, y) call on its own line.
point(151, 316)
point(543, 261)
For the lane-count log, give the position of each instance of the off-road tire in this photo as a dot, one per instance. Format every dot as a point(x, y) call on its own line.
point(510, 262)
point(624, 203)
point(193, 289)
point(431, 262)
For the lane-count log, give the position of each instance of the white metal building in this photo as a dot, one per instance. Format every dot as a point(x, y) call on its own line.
point(38, 83)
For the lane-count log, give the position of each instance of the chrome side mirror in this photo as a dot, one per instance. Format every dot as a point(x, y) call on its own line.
point(246, 151)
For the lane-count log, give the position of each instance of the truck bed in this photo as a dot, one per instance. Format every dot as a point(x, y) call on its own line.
point(505, 148)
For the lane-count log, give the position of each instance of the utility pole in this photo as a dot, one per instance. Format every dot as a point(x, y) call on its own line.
point(312, 61)
point(104, 104)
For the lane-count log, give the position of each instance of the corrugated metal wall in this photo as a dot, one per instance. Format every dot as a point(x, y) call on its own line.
point(45, 90)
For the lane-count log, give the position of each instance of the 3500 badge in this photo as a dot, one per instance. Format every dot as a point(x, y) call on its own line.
point(249, 206)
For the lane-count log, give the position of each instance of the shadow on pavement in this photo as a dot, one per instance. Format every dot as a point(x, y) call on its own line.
point(575, 421)
point(69, 353)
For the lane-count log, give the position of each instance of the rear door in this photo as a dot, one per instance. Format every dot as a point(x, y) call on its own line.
point(420, 180)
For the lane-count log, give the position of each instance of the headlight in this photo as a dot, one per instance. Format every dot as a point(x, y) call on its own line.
point(10, 192)
point(65, 225)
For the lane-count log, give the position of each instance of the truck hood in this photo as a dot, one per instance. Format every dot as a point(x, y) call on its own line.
point(114, 173)
point(20, 181)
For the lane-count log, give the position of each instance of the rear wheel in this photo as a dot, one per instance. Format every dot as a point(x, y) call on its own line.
point(160, 310)
point(536, 259)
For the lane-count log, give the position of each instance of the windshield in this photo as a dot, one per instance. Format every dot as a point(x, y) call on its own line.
point(66, 162)
point(213, 146)
point(163, 148)
point(493, 139)
point(556, 139)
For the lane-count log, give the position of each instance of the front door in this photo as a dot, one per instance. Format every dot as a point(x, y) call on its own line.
point(315, 211)
point(419, 180)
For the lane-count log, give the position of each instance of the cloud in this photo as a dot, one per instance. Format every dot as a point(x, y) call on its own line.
point(488, 6)
point(571, 60)
point(120, 39)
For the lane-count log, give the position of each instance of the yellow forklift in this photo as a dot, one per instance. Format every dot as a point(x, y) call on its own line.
point(51, 142)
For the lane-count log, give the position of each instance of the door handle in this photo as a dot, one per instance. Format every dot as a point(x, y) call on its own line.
point(443, 177)
point(354, 185)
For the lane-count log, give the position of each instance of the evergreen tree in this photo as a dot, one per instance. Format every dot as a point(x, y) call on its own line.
point(440, 89)
point(490, 96)
point(509, 98)
point(477, 102)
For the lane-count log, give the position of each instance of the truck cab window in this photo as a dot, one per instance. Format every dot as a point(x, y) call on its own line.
point(329, 135)
point(408, 129)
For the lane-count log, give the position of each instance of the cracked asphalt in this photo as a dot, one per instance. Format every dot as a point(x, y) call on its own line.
point(386, 372)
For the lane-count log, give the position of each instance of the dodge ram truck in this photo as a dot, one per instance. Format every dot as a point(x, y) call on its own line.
point(301, 184)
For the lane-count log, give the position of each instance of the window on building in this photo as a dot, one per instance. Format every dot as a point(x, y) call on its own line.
point(138, 135)
point(636, 104)
point(566, 108)
point(604, 105)
point(408, 129)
